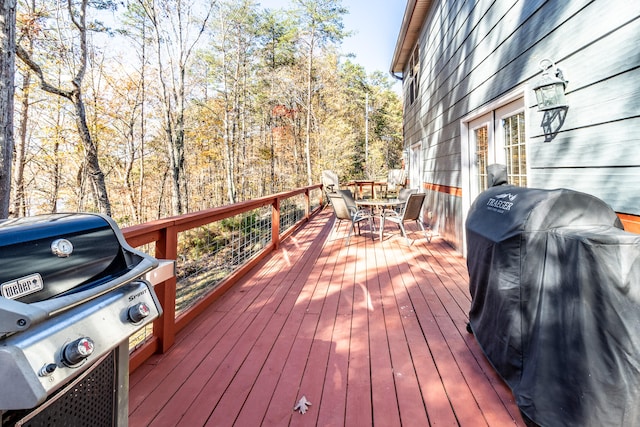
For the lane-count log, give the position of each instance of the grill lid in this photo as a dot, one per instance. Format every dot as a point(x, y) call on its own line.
point(55, 262)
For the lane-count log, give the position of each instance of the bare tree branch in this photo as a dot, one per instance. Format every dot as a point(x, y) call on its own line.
point(44, 84)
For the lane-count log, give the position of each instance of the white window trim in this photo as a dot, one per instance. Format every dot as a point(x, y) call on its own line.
point(415, 171)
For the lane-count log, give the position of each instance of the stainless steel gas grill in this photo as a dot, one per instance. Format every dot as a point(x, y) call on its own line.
point(72, 292)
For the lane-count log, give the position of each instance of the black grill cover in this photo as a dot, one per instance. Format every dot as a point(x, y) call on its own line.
point(555, 287)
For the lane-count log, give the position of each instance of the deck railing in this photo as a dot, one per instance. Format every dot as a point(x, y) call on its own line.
point(213, 249)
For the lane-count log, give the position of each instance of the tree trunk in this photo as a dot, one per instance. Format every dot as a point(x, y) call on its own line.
point(7, 73)
point(180, 139)
point(96, 176)
point(143, 97)
point(20, 203)
point(307, 144)
point(55, 185)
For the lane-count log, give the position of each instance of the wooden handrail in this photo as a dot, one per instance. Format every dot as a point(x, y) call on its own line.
point(164, 233)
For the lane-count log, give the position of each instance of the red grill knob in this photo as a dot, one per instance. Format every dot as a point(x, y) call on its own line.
point(138, 312)
point(78, 350)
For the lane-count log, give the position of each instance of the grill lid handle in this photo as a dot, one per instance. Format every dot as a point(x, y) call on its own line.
point(16, 316)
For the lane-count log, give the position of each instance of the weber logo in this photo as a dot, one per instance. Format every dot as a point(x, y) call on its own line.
point(22, 286)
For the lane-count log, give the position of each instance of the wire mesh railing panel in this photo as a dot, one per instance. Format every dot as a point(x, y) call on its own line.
point(141, 336)
point(149, 248)
point(209, 254)
point(315, 198)
point(292, 210)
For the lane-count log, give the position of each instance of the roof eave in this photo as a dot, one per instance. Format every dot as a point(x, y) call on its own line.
point(414, 16)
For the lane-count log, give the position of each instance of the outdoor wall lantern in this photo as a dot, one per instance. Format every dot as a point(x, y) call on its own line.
point(550, 88)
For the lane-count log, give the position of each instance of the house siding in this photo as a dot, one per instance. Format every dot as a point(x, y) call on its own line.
point(475, 52)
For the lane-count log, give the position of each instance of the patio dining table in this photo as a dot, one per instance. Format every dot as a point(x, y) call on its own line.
point(378, 206)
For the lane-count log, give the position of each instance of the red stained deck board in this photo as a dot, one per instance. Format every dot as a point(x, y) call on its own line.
point(313, 381)
point(221, 399)
point(198, 341)
point(358, 401)
point(185, 378)
point(176, 367)
point(493, 409)
point(371, 334)
point(225, 392)
point(447, 358)
point(256, 403)
point(422, 335)
point(384, 398)
point(286, 393)
point(399, 314)
point(236, 397)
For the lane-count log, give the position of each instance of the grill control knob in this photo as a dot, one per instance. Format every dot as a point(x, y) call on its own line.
point(78, 350)
point(138, 312)
point(47, 369)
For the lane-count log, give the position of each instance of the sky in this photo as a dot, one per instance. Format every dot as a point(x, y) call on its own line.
point(375, 25)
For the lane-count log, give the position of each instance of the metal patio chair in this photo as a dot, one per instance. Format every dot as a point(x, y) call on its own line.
point(396, 180)
point(330, 181)
point(403, 195)
point(410, 211)
point(345, 212)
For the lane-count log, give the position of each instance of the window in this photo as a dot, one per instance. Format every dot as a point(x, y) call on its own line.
point(482, 153)
point(413, 85)
point(515, 149)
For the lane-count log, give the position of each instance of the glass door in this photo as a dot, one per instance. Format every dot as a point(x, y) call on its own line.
point(495, 136)
point(481, 152)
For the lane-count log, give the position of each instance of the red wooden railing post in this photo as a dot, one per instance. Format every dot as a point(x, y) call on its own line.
point(164, 327)
point(275, 223)
point(307, 204)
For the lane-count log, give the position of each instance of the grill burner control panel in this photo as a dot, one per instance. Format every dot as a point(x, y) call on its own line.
point(38, 361)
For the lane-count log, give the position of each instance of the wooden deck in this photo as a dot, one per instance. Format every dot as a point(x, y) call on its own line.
point(373, 333)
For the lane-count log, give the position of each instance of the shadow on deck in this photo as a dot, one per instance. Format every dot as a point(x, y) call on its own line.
point(371, 334)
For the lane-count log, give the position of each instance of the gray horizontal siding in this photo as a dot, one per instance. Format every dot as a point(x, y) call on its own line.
point(611, 144)
point(618, 187)
point(444, 208)
point(501, 61)
point(474, 52)
point(613, 99)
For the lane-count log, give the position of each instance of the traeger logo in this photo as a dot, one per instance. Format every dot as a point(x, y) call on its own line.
point(502, 202)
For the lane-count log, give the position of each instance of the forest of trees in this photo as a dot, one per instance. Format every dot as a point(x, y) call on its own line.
point(152, 108)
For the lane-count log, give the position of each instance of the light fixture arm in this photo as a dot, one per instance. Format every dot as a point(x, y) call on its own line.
point(549, 68)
